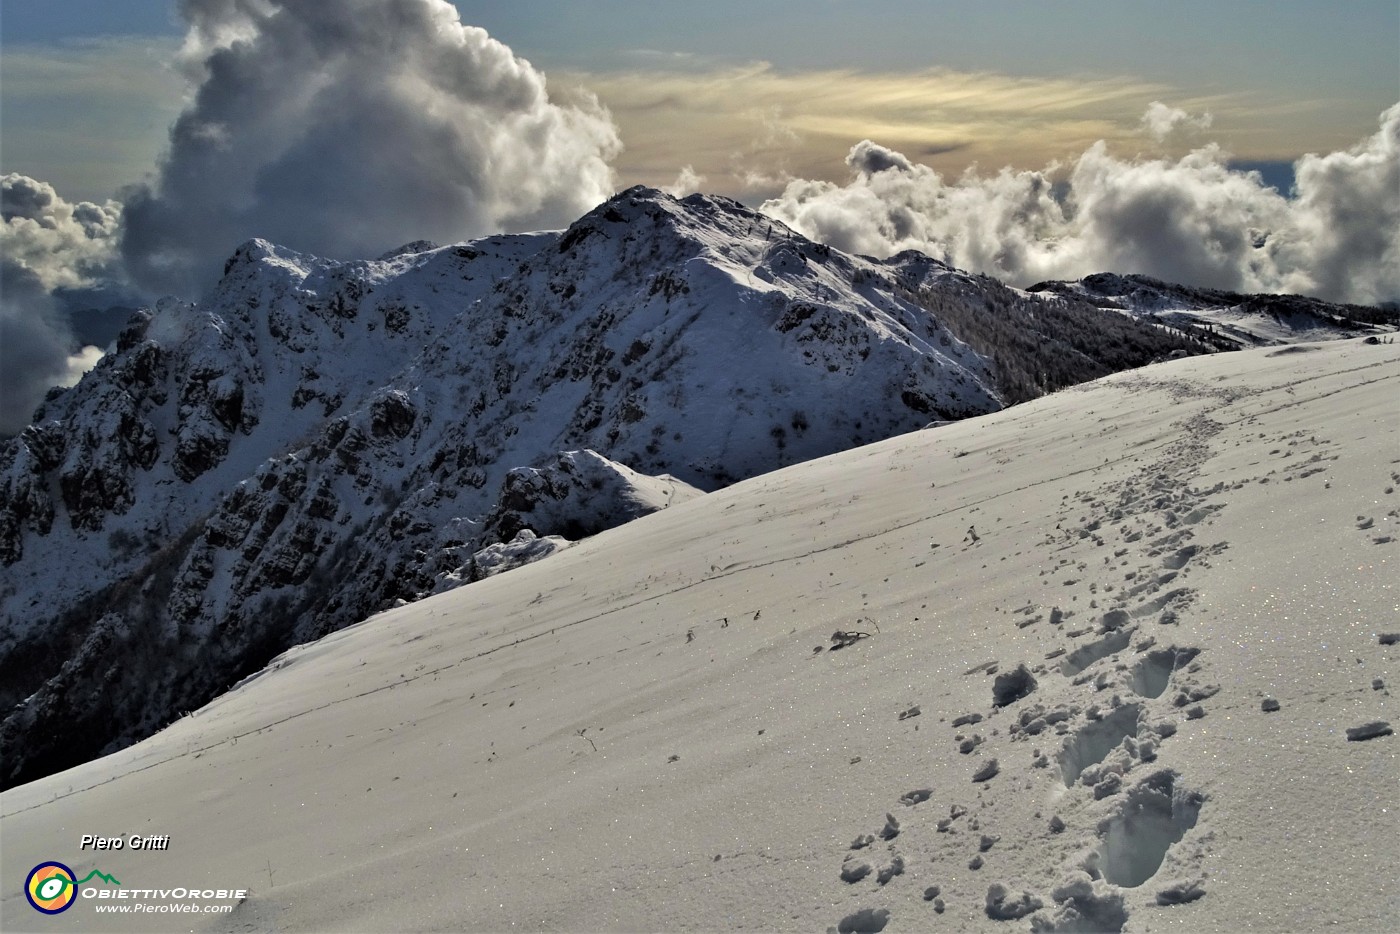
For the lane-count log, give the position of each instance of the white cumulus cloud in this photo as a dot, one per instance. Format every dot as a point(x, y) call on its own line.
point(46, 244)
point(1191, 220)
point(65, 245)
point(1161, 121)
point(687, 182)
point(343, 127)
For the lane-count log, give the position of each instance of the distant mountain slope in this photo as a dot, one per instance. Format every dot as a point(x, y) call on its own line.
point(1119, 659)
point(1228, 320)
point(323, 439)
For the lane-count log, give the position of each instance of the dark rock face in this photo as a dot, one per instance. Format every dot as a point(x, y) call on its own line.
point(392, 415)
point(575, 495)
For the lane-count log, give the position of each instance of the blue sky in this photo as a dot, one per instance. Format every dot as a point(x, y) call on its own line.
point(1331, 48)
point(748, 91)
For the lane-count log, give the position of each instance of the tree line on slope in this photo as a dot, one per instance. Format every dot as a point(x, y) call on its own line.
point(1038, 345)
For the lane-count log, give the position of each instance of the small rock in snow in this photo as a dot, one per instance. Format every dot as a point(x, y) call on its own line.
point(1369, 731)
point(1179, 893)
point(1001, 907)
point(891, 829)
point(895, 868)
point(853, 869)
point(988, 769)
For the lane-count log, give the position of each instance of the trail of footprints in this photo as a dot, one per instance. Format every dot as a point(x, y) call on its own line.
point(1382, 531)
point(1104, 749)
point(1132, 545)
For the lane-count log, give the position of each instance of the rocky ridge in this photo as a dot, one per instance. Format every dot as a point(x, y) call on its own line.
point(320, 440)
point(1227, 320)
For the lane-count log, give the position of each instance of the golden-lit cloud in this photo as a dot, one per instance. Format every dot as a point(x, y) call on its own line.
point(748, 128)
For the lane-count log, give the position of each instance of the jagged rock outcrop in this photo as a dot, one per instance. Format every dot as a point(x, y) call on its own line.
point(575, 495)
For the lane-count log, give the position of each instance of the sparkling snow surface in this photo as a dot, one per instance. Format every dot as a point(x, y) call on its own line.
point(1104, 590)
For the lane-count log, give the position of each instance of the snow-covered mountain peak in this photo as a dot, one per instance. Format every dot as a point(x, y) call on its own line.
point(320, 439)
point(717, 229)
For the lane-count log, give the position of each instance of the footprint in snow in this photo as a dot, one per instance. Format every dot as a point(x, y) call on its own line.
point(1175, 600)
point(1181, 557)
point(1011, 686)
point(1091, 744)
point(1154, 815)
point(1084, 656)
point(1153, 672)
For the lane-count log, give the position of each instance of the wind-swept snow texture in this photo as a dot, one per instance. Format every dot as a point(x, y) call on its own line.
point(654, 729)
point(322, 440)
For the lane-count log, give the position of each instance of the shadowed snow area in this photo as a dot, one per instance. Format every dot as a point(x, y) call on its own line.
point(651, 729)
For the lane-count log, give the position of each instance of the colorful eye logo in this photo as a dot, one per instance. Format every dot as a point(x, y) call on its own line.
point(50, 888)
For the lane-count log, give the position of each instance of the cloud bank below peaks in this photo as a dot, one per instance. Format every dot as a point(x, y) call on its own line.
point(343, 127)
point(1190, 220)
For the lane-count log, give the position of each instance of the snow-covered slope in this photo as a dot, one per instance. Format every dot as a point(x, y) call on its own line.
point(1229, 320)
point(1115, 659)
point(321, 440)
